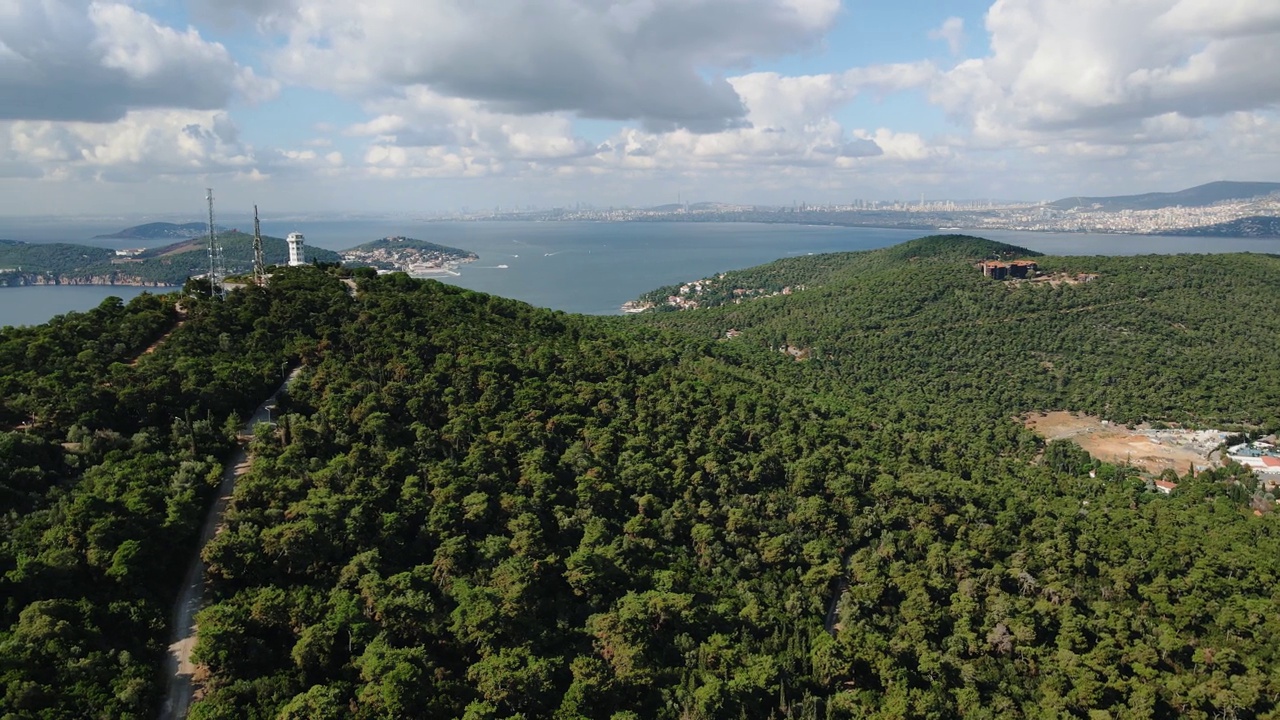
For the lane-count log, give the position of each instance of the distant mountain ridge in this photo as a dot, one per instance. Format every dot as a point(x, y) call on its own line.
point(1199, 196)
point(161, 231)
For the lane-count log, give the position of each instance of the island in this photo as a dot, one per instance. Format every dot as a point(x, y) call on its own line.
point(161, 231)
point(23, 263)
point(404, 254)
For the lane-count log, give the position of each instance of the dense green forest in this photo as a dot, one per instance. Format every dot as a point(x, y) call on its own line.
point(474, 508)
point(108, 457)
point(56, 258)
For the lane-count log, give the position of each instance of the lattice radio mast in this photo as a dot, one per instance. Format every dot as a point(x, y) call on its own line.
point(259, 267)
point(217, 271)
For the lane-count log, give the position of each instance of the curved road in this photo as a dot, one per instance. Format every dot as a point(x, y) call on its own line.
point(182, 626)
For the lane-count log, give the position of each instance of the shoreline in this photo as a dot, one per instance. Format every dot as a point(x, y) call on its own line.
point(20, 280)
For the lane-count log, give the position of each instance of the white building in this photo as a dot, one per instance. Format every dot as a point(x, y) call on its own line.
point(1260, 457)
point(295, 249)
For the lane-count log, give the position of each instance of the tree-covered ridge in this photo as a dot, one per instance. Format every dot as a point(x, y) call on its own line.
point(1185, 338)
point(160, 230)
point(105, 482)
point(479, 509)
point(179, 261)
point(408, 243)
point(796, 273)
point(496, 509)
point(474, 508)
point(170, 265)
point(56, 258)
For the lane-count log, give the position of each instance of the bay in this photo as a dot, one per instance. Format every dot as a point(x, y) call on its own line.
point(38, 304)
point(595, 267)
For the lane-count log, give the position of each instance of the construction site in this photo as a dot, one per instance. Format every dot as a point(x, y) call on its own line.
point(1153, 450)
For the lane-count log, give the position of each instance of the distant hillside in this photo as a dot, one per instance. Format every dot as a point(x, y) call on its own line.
point(171, 265)
point(160, 231)
point(408, 243)
point(1257, 226)
point(56, 258)
point(1199, 196)
point(792, 274)
point(405, 254)
point(181, 260)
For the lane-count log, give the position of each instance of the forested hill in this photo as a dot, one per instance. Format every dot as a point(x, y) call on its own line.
point(471, 508)
point(170, 265)
point(812, 271)
point(407, 243)
point(1177, 338)
point(160, 231)
point(181, 260)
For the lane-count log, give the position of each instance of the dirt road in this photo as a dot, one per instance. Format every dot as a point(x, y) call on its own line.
point(182, 633)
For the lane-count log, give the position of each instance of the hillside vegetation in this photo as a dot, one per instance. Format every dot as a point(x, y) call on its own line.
point(1181, 338)
point(160, 230)
point(108, 458)
point(474, 508)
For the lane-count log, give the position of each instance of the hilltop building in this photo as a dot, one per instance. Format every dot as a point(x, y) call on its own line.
point(1018, 269)
point(295, 241)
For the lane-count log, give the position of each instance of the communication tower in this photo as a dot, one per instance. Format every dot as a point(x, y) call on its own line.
point(259, 267)
point(217, 271)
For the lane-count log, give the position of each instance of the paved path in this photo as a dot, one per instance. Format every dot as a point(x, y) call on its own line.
point(182, 626)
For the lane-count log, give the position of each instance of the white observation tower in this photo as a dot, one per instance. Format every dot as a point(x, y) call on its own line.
point(295, 249)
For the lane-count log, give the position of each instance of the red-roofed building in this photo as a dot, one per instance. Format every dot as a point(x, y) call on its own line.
point(1165, 486)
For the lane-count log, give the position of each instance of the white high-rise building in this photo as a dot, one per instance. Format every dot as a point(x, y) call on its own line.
point(295, 249)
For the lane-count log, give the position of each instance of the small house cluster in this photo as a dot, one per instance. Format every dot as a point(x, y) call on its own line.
point(1018, 269)
point(1263, 458)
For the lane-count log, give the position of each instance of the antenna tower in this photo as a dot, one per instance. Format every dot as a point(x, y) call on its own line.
point(259, 267)
point(216, 270)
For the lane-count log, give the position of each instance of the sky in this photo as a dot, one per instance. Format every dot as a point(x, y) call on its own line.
point(425, 106)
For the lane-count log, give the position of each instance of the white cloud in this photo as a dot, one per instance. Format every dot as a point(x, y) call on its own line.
point(653, 61)
point(1068, 68)
point(146, 145)
point(951, 32)
point(790, 127)
point(96, 61)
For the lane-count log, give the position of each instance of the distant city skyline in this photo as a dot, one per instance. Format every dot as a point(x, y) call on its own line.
point(412, 106)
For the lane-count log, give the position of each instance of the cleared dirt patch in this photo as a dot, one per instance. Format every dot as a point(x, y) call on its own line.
point(1152, 450)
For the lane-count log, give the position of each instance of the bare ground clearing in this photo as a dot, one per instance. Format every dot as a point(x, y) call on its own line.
point(1152, 450)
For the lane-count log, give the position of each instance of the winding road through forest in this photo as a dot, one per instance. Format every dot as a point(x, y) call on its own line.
point(182, 626)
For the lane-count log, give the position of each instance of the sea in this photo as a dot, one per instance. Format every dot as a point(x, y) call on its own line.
point(579, 267)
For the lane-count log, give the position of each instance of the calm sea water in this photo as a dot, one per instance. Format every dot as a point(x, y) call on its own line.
point(587, 267)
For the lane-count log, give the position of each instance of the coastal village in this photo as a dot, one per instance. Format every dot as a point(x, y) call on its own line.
point(693, 295)
point(403, 254)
